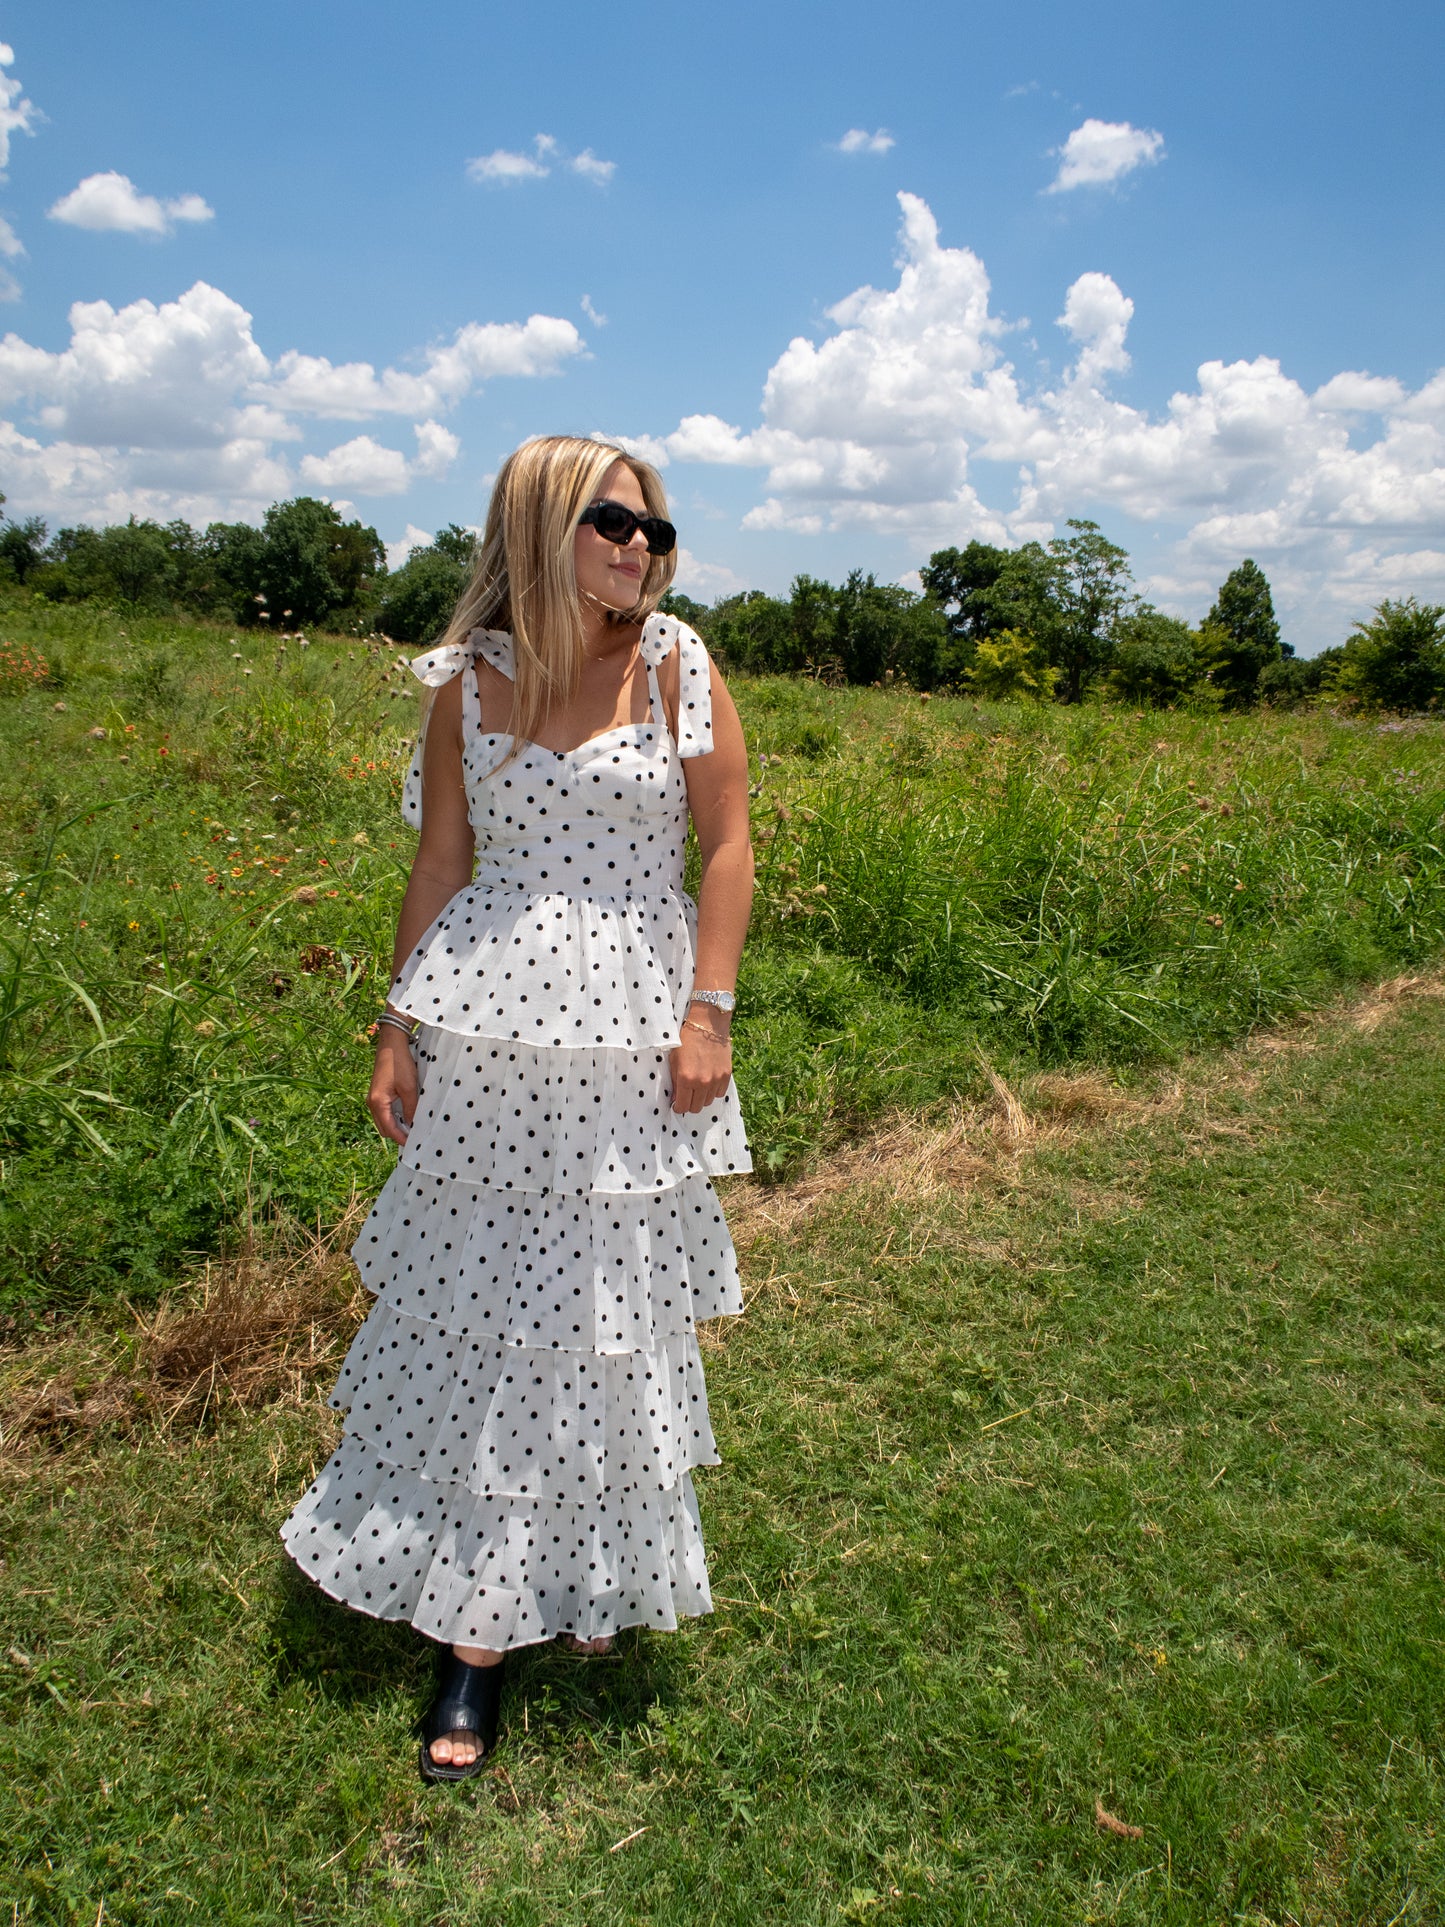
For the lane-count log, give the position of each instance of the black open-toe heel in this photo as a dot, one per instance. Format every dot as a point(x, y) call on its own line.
point(468, 1700)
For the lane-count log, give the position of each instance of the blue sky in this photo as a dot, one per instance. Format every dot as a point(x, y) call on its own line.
point(305, 262)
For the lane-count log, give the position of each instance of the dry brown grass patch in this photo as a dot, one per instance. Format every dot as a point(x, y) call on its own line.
point(908, 1159)
point(260, 1324)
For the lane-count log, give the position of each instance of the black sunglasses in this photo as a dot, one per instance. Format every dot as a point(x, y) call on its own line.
point(615, 522)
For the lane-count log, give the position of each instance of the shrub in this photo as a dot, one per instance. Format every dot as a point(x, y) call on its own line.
point(1010, 666)
point(1155, 658)
point(1396, 660)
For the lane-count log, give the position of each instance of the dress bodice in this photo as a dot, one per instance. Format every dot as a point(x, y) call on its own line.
point(606, 818)
point(574, 929)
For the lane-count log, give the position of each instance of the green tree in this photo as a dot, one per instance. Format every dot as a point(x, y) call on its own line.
point(1397, 659)
point(312, 562)
point(1294, 680)
point(1241, 633)
point(1093, 589)
point(694, 614)
point(960, 582)
point(754, 631)
point(22, 546)
point(458, 543)
point(415, 602)
point(130, 562)
point(1155, 658)
point(229, 568)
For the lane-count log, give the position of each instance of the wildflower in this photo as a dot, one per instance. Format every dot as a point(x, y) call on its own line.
point(361, 837)
point(306, 894)
point(205, 1028)
point(132, 926)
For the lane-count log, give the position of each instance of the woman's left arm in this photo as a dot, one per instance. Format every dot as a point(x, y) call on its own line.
point(717, 798)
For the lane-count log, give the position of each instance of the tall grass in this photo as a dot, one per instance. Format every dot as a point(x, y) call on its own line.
point(201, 862)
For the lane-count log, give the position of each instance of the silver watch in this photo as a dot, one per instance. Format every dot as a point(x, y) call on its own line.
point(724, 999)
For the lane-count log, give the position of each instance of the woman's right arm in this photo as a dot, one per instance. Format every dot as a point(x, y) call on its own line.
point(443, 865)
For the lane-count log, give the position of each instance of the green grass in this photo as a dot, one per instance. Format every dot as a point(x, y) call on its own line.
point(1112, 1474)
point(183, 1040)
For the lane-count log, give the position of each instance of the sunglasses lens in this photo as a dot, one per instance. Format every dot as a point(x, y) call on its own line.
point(661, 536)
point(615, 522)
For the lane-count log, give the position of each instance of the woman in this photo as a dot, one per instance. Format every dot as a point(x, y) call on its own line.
point(526, 1399)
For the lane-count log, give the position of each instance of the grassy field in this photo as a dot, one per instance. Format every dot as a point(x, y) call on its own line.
point(1077, 1549)
point(1084, 1448)
point(201, 860)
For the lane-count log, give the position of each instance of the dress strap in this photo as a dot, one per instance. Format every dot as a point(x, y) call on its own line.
point(471, 704)
point(438, 666)
point(660, 636)
point(654, 696)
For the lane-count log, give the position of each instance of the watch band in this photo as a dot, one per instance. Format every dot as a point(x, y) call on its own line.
point(723, 999)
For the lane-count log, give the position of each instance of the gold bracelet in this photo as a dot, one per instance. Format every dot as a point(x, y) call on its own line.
point(702, 1030)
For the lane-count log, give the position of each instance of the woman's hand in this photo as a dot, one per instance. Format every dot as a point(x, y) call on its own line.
point(701, 1067)
point(394, 1087)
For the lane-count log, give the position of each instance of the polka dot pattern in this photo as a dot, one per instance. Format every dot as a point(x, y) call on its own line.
point(528, 1119)
point(499, 1572)
point(599, 1273)
point(525, 1403)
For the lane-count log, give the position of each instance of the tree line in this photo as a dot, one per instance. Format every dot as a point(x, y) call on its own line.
point(1057, 621)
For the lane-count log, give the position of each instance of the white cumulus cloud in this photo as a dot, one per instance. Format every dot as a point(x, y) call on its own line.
point(111, 203)
point(705, 581)
point(505, 167)
point(650, 448)
point(477, 353)
point(17, 114)
point(436, 449)
point(174, 408)
point(591, 168)
point(361, 464)
point(908, 421)
point(858, 140)
point(1101, 152)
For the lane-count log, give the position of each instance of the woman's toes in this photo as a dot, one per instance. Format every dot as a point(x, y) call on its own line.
point(454, 1749)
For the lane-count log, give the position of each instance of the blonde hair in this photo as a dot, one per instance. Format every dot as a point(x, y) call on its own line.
point(524, 579)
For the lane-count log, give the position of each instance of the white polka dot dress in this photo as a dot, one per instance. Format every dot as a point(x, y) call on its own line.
point(525, 1400)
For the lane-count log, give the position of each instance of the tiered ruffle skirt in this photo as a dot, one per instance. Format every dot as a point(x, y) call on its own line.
point(526, 1400)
